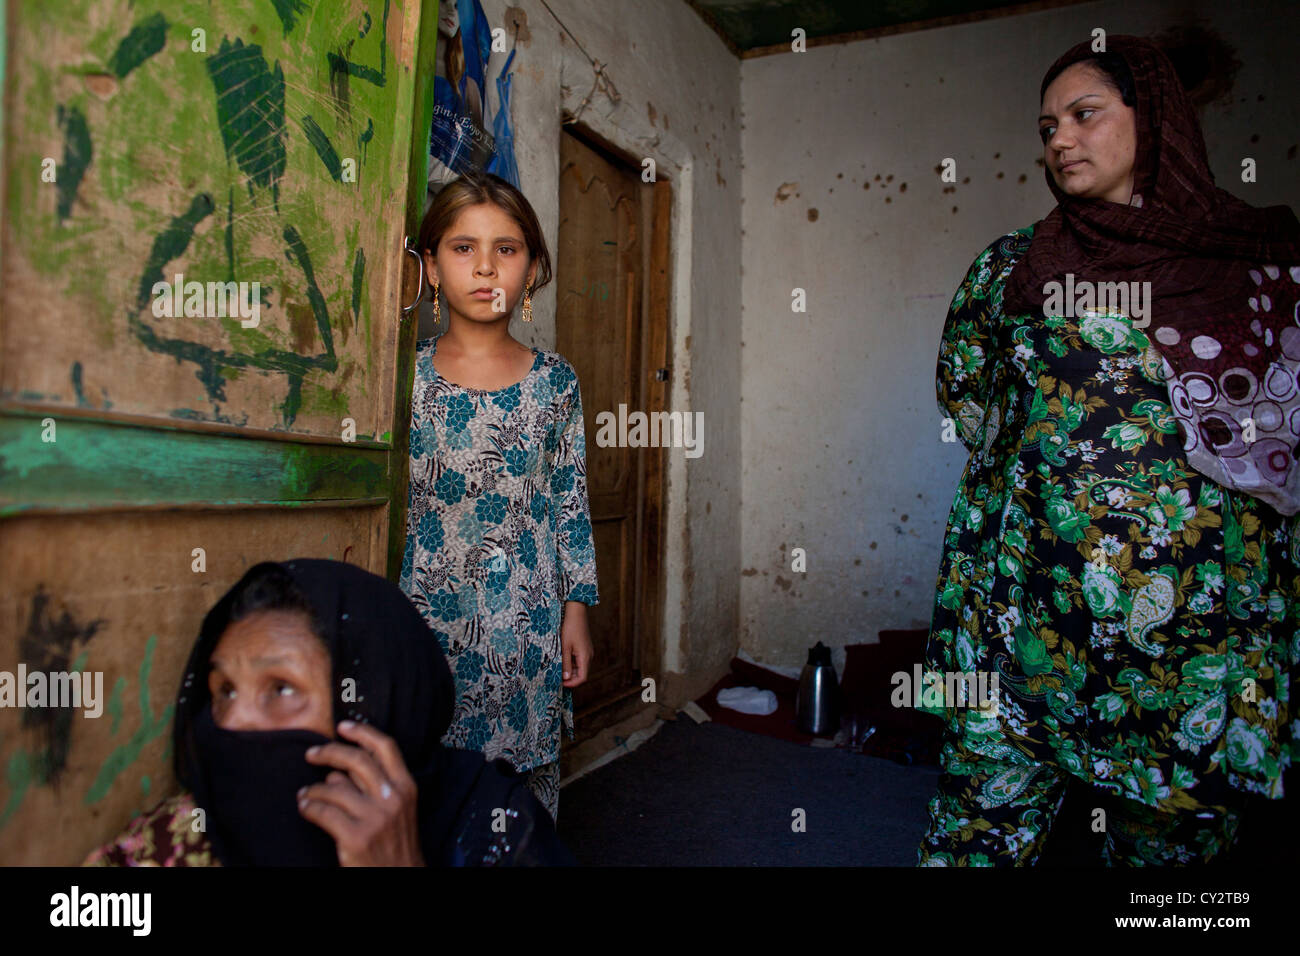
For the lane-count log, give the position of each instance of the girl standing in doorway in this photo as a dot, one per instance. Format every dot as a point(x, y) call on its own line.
point(499, 554)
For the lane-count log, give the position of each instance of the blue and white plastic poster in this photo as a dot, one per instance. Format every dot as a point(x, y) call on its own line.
point(471, 126)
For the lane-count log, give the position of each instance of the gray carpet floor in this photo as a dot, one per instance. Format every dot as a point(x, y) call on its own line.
point(711, 795)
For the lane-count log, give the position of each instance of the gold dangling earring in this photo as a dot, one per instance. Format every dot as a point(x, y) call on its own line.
point(528, 306)
point(436, 316)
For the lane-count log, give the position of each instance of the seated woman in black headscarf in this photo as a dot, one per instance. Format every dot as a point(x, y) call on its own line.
point(289, 654)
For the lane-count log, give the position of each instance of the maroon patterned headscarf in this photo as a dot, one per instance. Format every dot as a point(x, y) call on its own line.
point(1225, 279)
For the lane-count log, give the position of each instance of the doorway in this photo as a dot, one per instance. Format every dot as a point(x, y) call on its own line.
point(612, 325)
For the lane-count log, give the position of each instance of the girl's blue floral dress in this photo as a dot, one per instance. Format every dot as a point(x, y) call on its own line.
point(498, 538)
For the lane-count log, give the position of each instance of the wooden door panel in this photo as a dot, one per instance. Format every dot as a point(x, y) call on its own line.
point(117, 593)
point(592, 300)
point(599, 330)
point(612, 618)
point(290, 152)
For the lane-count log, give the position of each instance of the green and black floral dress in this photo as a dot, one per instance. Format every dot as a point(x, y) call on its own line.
point(1141, 619)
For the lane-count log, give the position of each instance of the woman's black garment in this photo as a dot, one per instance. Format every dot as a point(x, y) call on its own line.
point(250, 780)
point(389, 672)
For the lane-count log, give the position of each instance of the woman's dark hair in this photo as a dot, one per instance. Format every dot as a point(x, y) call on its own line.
point(474, 188)
point(268, 587)
point(1113, 69)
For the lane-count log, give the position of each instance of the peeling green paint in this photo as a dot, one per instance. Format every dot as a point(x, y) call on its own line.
point(329, 157)
point(288, 11)
point(340, 65)
point(115, 704)
point(230, 111)
point(358, 276)
point(100, 464)
point(170, 244)
point(18, 775)
point(364, 139)
point(77, 152)
point(76, 386)
point(230, 235)
point(250, 111)
point(150, 728)
point(303, 258)
point(28, 768)
point(317, 398)
point(145, 39)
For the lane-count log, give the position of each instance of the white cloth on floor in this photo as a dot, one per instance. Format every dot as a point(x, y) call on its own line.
point(748, 700)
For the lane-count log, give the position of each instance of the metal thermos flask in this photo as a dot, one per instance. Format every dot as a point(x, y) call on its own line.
point(817, 707)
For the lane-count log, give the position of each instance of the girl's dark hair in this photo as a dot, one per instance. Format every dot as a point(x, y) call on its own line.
point(474, 188)
point(1113, 69)
point(268, 587)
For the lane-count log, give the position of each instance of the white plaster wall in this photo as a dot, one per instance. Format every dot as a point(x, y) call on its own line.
point(840, 427)
point(679, 102)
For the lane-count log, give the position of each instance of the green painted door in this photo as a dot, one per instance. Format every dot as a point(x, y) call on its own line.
point(203, 362)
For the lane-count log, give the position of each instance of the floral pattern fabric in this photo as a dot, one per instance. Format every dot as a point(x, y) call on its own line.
point(968, 829)
point(498, 538)
point(171, 834)
point(1142, 620)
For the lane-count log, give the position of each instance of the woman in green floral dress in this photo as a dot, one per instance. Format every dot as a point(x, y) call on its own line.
point(1140, 617)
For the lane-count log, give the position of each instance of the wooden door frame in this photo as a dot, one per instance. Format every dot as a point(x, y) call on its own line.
point(408, 326)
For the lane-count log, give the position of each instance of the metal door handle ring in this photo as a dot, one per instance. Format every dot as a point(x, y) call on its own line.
point(410, 248)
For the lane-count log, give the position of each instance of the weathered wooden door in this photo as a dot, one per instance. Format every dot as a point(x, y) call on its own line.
point(611, 304)
point(264, 161)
